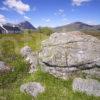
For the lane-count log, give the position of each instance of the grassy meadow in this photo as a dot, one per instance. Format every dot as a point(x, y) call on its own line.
point(55, 88)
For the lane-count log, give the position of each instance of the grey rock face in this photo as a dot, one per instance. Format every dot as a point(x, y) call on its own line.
point(32, 88)
point(95, 72)
point(64, 73)
point(63, 52)
point(30, 57)
point(71, 49)
point(89, 86)
point(4, 68)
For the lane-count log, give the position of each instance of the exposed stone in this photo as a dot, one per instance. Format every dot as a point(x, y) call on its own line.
point(64, 73)
point(30, 57)
point(95, 72)
point(32, 88)
point(69, 49)
point(4, 68)
point(25, 51)
point(72, 50)
point(89, 86)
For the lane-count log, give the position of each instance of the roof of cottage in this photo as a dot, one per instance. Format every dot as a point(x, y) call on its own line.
point(9, 28)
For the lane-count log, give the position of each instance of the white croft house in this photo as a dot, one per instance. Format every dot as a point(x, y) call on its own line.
point(9, 29)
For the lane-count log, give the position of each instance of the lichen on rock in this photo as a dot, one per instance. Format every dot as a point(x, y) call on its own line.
point(88, 86)
point(31, 57)
point(4, 68)
point(32, 88)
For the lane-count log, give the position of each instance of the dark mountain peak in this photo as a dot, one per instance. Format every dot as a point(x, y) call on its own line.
point(26, 25)
point(26, 22)
point(78, 23)
point(81, 24)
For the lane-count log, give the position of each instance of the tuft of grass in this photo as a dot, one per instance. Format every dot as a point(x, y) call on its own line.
point(10, 45)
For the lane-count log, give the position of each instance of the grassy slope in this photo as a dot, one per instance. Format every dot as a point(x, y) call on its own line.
point(55, 89)
point(93, 33)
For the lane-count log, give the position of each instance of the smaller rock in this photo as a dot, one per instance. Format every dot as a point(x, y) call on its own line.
point(31, 57)
point(32, 88)
point(25, 51)
point(4, 68)
point(32, 68)
point(89, 86)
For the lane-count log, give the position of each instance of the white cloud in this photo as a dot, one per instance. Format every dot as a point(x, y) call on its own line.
point(79, 2)
point(2, 19)
point(17, 5)
point(60, 12)
point(91, 22)
point(4, 8)
point(27, 18)
point(64, 19)
point(46, 20)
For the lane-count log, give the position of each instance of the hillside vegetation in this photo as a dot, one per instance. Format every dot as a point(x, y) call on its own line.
point(56, 89)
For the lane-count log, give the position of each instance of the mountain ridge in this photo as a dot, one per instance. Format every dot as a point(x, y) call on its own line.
point(22, 25)
point(26, 25)
point(77, 26)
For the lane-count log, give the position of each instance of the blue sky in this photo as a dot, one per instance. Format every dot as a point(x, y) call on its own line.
point(50, 12)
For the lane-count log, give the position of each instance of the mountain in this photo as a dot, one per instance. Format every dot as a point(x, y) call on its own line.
point(97, 27)
point(77, 26)
point(26, 25)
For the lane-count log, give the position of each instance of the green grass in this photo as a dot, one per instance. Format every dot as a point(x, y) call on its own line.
point(94, 33)
point(55, 89)
point(10, 45)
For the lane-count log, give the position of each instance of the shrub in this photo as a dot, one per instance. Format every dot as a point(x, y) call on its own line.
point(45, 30)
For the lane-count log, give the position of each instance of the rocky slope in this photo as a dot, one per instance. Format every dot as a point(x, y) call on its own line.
point(26, 25)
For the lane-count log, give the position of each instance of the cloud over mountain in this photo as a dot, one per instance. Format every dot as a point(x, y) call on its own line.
point(2, 19)
point(17, 5)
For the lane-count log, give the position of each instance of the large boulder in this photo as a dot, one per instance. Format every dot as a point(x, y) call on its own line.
point(64, 53)
point(4, 68)
point(88, 86)
point(95, 73)
point(32, 88)
point(71, 49)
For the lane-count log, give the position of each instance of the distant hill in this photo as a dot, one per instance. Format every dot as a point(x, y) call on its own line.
point(77, 26)
point(26, 25)
point(97, 27)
